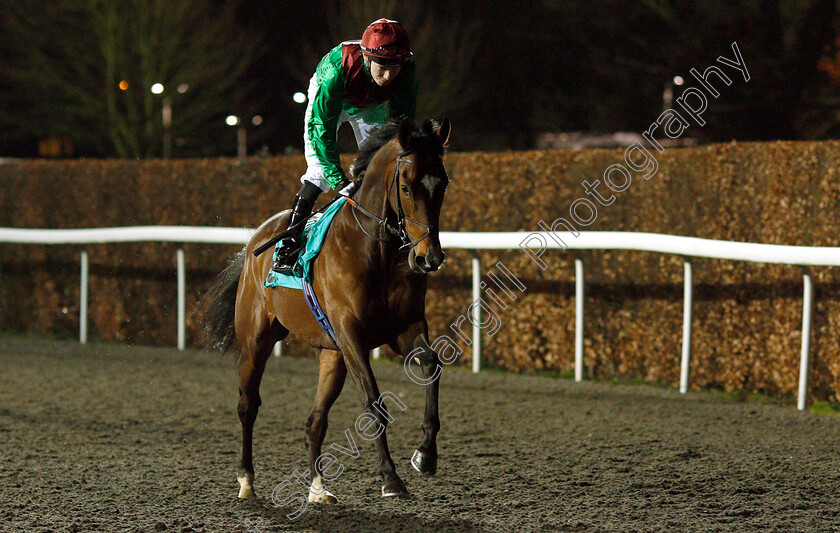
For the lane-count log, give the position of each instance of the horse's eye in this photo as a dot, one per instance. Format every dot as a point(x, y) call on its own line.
point(405, 189)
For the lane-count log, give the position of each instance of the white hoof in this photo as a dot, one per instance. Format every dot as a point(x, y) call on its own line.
point(319, 494)
point(246, 486)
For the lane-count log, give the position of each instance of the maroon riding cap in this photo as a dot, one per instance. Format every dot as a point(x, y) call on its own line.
point(387, 40)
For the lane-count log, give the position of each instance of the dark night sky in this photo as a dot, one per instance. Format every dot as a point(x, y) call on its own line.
point(594, 66)
point(285, 25)
point(288, 24)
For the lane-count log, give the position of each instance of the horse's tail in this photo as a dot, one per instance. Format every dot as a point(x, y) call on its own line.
point(219, 307)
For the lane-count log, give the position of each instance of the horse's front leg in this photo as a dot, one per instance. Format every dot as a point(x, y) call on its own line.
point(373, 423)
point(414, 345)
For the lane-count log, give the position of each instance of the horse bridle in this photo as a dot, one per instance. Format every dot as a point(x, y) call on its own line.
point(400, 230)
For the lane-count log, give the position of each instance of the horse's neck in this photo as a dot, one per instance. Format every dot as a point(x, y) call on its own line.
point(373, 193)
point(372, 196)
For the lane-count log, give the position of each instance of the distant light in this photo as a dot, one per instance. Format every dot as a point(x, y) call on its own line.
point(184, 87)
point(157, 88)
point(678, 80)
point(257, 120)
point(123, 85)
point(299, 97)
point(232, 120)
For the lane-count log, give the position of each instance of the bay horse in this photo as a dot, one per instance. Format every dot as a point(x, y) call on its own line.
point(371, 283)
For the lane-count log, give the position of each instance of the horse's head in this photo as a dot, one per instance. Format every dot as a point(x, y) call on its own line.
point(416, 191)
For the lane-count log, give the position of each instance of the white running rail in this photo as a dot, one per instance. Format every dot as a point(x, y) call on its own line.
point(590, 240)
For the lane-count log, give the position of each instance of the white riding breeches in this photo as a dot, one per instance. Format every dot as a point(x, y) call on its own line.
point(363, 124)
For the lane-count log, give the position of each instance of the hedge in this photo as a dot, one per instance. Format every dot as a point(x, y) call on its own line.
point(747, 316)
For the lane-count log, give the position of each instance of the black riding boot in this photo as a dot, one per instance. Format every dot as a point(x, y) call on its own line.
point(290, 245)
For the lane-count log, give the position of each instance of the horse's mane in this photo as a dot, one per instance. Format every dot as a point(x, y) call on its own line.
point(382, 135)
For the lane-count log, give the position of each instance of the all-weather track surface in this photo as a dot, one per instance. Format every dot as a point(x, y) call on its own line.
point(108, 437)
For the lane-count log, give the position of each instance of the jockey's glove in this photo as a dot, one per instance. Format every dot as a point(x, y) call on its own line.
point(347, 188)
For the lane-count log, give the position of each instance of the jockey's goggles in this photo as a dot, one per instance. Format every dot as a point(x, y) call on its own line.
point(386, 56)
point(388, 61)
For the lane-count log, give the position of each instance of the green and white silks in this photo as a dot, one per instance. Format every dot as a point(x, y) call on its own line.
point(329, 106)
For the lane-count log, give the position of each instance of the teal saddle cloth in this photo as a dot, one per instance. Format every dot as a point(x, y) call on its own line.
point(313, 238)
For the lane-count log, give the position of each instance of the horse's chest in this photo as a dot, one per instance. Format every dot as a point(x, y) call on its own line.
point(405, 303)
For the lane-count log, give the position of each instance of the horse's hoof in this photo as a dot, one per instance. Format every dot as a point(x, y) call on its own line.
point(246, 485)
point(319, 494)
point(394, 488)
point(424, 462)
point(326, 497)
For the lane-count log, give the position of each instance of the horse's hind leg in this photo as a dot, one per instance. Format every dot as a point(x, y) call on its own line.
point(255, 354)
point(331, 374)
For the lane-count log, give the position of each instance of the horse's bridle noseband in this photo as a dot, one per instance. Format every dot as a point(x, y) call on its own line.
point(399, 231)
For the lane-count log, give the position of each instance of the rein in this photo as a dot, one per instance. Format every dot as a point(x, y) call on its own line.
point(400, 230)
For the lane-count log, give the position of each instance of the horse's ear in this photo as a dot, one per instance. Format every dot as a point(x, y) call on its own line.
point(443, 131)
point(406, 129)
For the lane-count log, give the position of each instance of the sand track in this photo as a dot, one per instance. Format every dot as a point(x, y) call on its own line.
point(116, 438)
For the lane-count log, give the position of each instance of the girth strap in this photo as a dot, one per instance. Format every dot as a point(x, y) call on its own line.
point(317, 311)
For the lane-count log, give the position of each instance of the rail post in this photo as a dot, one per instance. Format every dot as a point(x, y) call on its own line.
point(476, 318)
point(182, 284)
point(83, 298)
point(578, 320)
point(686, 339)
point(807, 305)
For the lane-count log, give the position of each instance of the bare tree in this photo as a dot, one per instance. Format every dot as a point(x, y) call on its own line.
point(84, 70)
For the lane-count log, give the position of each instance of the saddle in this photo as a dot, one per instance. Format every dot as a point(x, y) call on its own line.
point(311, 242)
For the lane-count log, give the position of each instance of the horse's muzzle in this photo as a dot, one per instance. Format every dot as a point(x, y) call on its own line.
point(427, 263)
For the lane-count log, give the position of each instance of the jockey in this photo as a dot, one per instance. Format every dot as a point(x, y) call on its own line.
point(364, 83)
